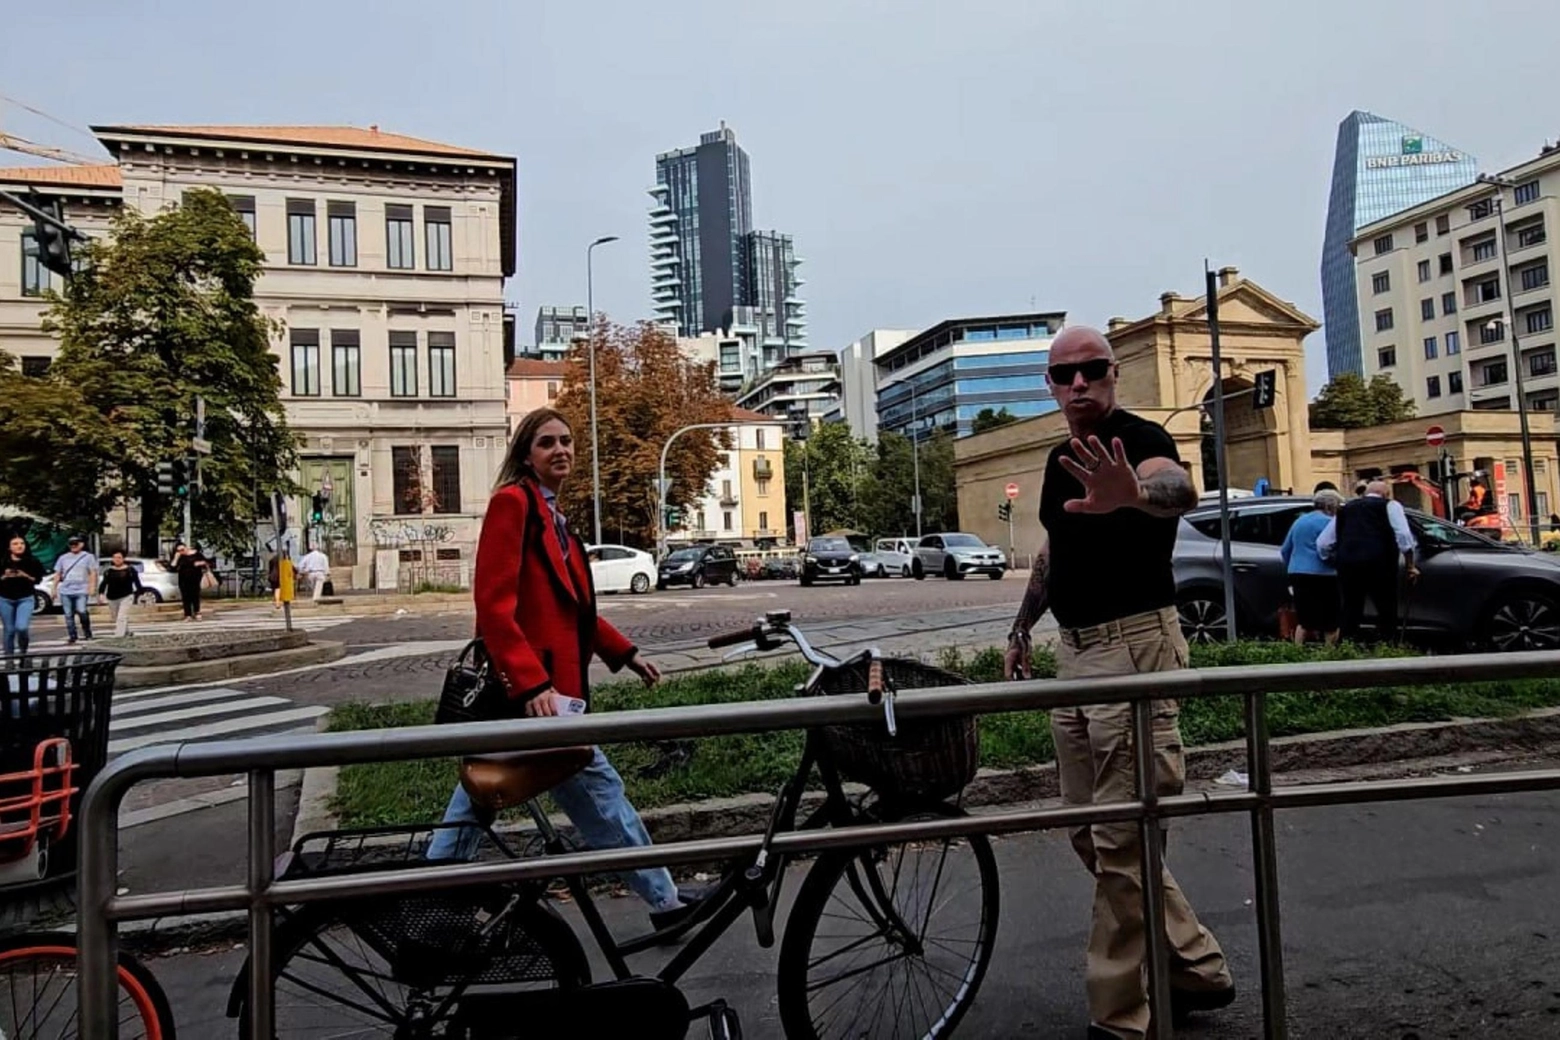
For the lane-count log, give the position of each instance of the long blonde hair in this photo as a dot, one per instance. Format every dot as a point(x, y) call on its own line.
point(517, 460)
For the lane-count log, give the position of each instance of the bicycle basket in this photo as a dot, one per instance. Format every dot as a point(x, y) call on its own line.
point(927, 760)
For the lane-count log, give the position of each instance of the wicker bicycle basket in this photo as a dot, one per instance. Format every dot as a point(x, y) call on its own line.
point(927, 760)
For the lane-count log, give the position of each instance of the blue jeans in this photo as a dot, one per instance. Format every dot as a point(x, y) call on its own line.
point(593, 800)
point(16, 616)
point(75, 603)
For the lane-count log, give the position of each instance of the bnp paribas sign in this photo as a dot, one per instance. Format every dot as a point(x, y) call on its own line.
point(1412, 154)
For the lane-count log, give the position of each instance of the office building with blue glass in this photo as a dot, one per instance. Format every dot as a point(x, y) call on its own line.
point(941, 379)
point(1380, 167)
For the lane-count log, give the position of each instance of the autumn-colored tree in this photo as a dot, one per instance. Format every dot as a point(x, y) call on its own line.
point(646, 390)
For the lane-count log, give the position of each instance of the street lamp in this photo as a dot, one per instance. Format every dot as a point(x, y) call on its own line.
point(915, 455)
point(1497, 200)
point(590, 330)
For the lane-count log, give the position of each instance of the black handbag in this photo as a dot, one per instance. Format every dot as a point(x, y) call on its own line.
point(472, 690)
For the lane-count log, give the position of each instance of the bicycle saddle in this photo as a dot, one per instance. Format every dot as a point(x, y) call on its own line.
point(497, 782)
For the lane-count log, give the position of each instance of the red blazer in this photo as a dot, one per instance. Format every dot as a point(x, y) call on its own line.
point(536, 614)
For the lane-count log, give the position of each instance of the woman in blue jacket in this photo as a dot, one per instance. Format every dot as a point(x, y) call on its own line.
point(1312, 580)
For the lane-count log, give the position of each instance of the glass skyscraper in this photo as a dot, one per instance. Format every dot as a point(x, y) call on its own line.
point(1380, 168)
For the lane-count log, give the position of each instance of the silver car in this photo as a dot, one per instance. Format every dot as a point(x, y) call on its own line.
point(158, 579)
point(1472, 590)
point(954, 555)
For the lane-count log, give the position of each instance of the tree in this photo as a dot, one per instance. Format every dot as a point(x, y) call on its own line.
point(162, 310)
point(889, 487)
point(986, 419)
point(645, 391)
point(1347, 402)
point(835, 465)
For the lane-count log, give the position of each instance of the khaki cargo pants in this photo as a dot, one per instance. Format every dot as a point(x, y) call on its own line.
point(1095, 764)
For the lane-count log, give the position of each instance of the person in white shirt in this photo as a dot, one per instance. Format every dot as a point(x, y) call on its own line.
point(316, 567)
point(1364, 541)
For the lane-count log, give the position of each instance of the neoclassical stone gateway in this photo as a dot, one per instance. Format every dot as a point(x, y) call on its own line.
point(1167, 368)
point(386, 257)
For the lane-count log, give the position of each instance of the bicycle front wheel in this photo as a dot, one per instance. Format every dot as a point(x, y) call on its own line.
point(38, 993)
point(890, 941)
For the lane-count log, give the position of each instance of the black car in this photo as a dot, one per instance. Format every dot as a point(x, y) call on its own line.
point(831, 559)
point(698, 565)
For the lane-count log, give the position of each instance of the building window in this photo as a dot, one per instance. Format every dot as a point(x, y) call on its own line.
point(1483, 251)
point(763, 492)
point(406, 479)
point(758, 438)
point(1492, 332)
point(1383, 244)
point(1494, 373)
point(1488, 290)
point(1448, 303)
point(36, 279)
point(1446, 263)
point(1535, 277)
point(346, 363)
point(1454, 382)
point(341, 229)
point(552, 391)
point(1542, 364)
point(1480, 210)
point(1532, 235)
point(1541, 320)
point(763, 520)
point(437, 238)
point(1433, 386)
point(1421, 232)
point(1443, 225)
point(35, 367)
point(306, 362)
point(1541, 498)
point(244, 206)
point(403, 364)
point(1514, 502)
point(1526, 192)
point(441, 364)
point(1384, 319)
point(400, 253)
point(446, 479)
point(1427, 310)
point(1424, 270)
point(300, 232)
point(1453, 343)
point(1386, 357)
point(1380, 282)
point(725, 517)
point(1430, 348)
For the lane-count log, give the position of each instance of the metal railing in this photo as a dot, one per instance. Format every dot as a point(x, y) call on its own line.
point(100, 908)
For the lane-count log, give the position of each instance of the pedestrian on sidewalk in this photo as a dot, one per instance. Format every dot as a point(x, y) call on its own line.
point(192, 568)
point(536, 615)
point(315, 566)
point(120, 587)
point(1312, 579)
point(1364, 542)
point(19, 578)
point(75, 576)
point(1110, 505)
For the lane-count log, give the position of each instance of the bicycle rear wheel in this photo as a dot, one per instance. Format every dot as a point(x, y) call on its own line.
point(383, 968)
point(38, 993)
point(890, 941)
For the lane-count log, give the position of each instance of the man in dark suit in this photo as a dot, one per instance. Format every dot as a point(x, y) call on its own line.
point(1364, 541)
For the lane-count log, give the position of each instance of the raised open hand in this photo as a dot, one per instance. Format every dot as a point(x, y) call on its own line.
point(1108, 479)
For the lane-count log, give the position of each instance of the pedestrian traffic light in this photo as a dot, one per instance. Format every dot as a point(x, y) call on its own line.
point(1005, 511)
point(1266, 390)
point(180, 473)
point(53, 241)
point(165, 479)
point(317, 509)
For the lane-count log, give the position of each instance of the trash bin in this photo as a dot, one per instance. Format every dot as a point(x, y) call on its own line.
point(45, 696)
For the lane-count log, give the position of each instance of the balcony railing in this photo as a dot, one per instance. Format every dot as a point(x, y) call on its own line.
point(762, 469)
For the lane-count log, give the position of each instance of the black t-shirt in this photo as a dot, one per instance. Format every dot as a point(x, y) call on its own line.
point(29, 573)
point(1106, 566)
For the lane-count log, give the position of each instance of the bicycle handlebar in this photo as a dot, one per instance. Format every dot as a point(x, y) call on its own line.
point(741, 635)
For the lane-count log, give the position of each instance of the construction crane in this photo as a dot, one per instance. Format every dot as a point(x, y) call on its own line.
point(13, 143)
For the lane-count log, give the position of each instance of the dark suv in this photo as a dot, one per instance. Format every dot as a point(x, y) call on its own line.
point(698, 565)
point(831, 559)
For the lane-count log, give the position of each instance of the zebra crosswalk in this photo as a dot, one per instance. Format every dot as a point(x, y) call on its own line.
point(141, 718)
point(250, 620)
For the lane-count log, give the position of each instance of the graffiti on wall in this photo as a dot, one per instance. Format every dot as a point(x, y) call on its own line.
point(392, 533)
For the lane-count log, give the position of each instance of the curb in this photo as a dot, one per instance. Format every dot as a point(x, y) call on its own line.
point(317, 652)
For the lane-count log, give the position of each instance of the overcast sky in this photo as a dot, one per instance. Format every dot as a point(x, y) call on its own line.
point(933, 159)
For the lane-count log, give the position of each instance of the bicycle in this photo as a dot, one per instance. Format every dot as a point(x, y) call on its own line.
point(38, 971)
point(893, 940)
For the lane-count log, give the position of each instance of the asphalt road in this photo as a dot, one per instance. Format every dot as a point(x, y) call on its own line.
point(1409, 921)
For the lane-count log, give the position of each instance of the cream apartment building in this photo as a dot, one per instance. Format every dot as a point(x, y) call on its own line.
point(385, 262)
point(744, 501)
point(1441, 283)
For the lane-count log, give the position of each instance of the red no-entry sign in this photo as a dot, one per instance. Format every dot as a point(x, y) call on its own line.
point(1435, 436)
point(1012, 490)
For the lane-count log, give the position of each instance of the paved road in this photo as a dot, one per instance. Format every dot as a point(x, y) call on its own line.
point(1414, 921)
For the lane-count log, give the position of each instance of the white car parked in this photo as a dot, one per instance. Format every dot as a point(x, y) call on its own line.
point(157, 578)
point(617, 568)
point(895, 557)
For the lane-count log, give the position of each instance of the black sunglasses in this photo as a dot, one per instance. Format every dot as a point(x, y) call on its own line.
point(1093, 371)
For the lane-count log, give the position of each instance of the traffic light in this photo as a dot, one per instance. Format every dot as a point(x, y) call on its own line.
point(317, 509)
point(1266, 389)
point(1005, 511)
point(165, 479)
point(800, 423)
point(179, 470)
point(53, 241)
point(673, 517)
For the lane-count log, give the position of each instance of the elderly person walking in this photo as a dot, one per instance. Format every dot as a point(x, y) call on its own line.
point(1364, 541)
point(1313, 580)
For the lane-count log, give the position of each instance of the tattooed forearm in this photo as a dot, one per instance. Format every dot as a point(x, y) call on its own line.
point(1037, 596)
point(1167, 492)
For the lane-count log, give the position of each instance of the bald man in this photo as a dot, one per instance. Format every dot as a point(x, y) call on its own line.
point(1109, 506)
point(1363, 542)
